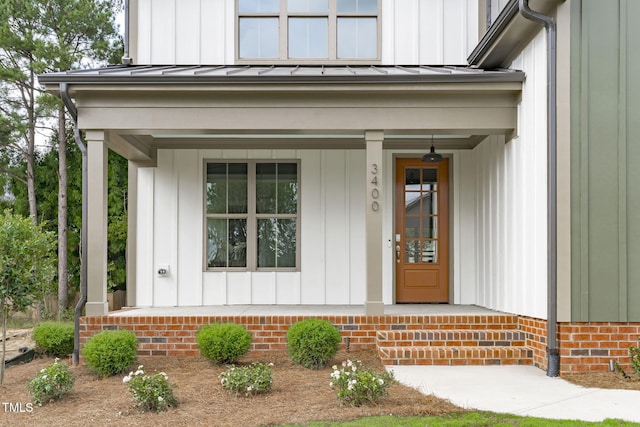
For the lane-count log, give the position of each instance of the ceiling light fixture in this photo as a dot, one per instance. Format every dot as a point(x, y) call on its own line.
point(432, 156)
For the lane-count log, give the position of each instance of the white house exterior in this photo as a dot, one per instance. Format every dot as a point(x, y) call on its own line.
point(498, 187)
point(276, 158)
point(190, 101)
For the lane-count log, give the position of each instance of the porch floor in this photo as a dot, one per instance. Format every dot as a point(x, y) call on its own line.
point(303, 310)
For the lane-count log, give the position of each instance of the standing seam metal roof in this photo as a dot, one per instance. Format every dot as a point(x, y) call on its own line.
point(156, 74)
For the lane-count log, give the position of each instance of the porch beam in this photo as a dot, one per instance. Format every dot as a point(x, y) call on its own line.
point(97, 159)
point(373, 222)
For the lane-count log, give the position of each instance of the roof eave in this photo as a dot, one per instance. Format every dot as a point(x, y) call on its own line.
point(508, 35)
point(200, 75)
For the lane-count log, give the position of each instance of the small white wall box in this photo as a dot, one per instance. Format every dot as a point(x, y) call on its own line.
point(162, 270)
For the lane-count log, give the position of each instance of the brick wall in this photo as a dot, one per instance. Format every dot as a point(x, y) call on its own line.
point(590, 346)
point(536, 338)
point(175, 335)
point(583, 346)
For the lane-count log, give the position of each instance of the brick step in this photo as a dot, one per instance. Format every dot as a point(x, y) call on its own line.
point(483, 322)
point(423, 355)
point(451, 338)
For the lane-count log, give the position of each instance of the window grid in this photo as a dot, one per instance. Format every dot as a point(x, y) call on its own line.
point(332, 15)
point(251, 217)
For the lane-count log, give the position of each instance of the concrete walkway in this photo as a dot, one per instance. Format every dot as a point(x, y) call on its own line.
point(520, 390)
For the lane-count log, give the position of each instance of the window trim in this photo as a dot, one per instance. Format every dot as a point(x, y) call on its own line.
point(252, 217)
point(332, 16)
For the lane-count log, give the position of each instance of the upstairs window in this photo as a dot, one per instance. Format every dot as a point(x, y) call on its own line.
point(308, 30)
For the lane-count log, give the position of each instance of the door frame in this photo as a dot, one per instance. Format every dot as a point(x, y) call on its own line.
point(450, 218)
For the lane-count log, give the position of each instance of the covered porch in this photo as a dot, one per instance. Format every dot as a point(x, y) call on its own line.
point(169, 120)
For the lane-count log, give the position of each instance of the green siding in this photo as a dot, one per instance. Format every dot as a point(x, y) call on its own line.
point(605, 156)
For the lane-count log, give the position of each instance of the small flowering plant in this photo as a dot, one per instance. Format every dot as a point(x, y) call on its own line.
point(51, 383)
point(357, 385)
point(247, 380)
point(151, 392)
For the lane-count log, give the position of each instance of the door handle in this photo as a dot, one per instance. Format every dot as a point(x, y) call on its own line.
point(398, 254)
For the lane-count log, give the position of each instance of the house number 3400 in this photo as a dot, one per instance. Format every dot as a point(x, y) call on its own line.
point(375, 193)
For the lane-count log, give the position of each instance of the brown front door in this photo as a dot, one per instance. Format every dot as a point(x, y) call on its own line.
point(422, 231)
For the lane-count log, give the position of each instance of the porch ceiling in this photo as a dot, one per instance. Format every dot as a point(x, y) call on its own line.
point(146, 108)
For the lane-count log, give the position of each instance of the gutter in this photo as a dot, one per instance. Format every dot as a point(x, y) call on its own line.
point(66, 99)
point(553, 357)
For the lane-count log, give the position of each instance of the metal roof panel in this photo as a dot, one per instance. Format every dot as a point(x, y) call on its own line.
point(196, 74)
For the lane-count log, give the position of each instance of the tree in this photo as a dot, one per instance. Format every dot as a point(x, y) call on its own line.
point(46, 165)
point(27, 267)
point(46, 36)
point(79, 29)
point(19, 65)
point(117, 221)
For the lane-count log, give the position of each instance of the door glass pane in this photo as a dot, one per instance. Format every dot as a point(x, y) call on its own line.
point(315, 6)
point(429, 179)
point(412, 179)
point(308, 38)
point(412, 202)
point(258, 37)
point(429, 227)
point(237, 243)
point(357, 38)
point(287, 188)
point(258, 6)
point(412, 251)
point(412, 227)
point(216, 188)
point(266, 188)
point(216, 242)
point(237, 188)
point(430, 251)
point(429, 203)
point(360, 6)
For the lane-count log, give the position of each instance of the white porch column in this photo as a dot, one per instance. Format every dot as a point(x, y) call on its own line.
point(97, 156)
point(373, 223)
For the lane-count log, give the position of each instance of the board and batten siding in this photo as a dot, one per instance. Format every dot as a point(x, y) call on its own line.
point(171, 227)
point(605, 161)
point(498, 236)
point(503, 213)
point(202, 32)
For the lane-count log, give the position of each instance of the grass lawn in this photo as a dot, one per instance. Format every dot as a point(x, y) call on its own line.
point(468, 419)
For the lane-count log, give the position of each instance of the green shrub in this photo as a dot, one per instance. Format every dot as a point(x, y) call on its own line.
point(247, 380)
point(223, 342)
point(110, 352)
point(634, 356)
point(151, 392)
point(54, 338)
point(51, 383)
point(312, 343)
point(357, 385)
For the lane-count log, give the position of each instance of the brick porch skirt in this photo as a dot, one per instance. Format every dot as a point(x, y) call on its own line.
point(583, 346)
